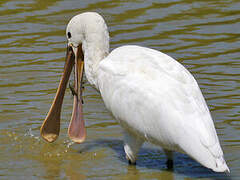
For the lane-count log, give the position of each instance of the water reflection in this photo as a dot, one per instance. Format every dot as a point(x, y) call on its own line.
point(134, 173)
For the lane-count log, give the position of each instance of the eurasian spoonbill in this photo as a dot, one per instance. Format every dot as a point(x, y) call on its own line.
point(152, 96)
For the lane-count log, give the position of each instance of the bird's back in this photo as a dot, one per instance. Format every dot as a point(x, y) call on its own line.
point(153, 95)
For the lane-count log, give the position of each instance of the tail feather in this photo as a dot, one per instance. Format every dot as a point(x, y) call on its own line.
point(220, 163)
point(209, 156)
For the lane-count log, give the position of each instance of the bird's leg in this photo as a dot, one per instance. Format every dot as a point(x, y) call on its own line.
point(169, 161)
point(132, 144)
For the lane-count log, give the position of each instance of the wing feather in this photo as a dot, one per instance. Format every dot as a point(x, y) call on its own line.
point(152, 93)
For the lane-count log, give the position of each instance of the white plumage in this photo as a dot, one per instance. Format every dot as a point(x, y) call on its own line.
point(151, 95)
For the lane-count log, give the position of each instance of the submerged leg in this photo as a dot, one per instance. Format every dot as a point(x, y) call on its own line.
point(169, 161)
point(132, 144)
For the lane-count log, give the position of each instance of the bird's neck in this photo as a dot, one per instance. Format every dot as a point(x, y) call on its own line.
point(95, 48)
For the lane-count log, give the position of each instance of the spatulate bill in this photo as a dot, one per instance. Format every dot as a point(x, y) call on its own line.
point(51, 126)
point(76, 129)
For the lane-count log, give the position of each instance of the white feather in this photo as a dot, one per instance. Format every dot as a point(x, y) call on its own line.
point(151, 95)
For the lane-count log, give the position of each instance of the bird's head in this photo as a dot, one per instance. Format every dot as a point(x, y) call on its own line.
point(74, 58)
point(88, 39)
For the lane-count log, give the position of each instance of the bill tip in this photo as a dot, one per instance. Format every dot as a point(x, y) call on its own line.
point(77, 140)
point(49, 137)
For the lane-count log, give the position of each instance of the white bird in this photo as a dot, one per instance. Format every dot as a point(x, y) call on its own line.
point(152, 96)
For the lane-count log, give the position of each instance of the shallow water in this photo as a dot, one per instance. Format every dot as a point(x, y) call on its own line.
point(204, 36)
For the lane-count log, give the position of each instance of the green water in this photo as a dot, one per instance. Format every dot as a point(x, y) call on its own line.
point(203, 35)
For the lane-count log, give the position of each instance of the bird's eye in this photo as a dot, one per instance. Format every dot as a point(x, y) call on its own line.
point(69, 35)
